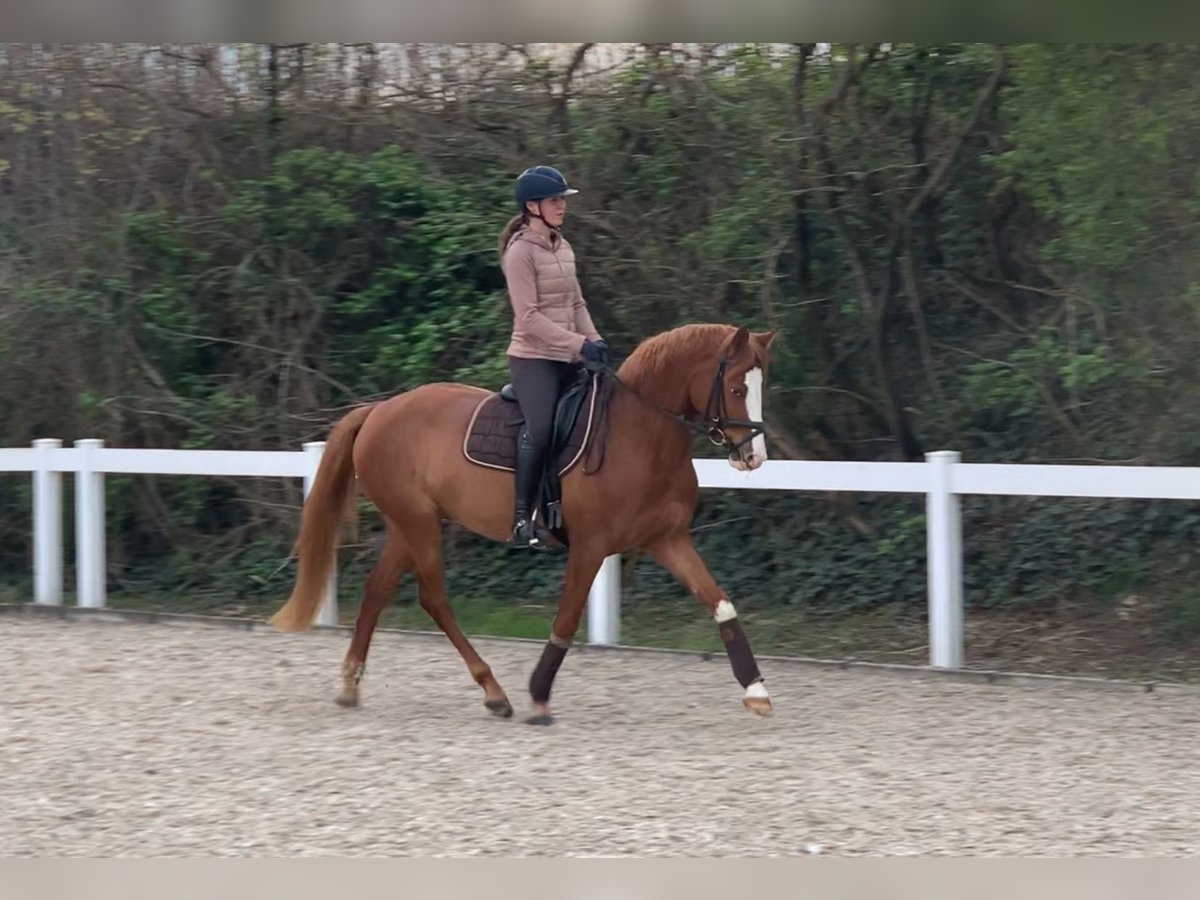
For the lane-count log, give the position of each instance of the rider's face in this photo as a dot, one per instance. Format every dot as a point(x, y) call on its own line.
point(553, 210)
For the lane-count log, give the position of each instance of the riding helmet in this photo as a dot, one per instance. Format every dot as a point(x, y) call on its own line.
point(540, 183)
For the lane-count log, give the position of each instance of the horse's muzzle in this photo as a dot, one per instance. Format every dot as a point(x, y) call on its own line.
point(745, 460)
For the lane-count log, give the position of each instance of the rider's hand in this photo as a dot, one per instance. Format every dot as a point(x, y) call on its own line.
point(594, 353)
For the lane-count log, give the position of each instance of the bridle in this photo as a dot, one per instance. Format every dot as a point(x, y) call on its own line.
point(714, 423)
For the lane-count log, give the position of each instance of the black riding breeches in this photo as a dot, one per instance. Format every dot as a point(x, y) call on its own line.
point(539, 383)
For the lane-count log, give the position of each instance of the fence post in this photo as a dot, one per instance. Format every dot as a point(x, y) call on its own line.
point(943, 524)
point(604, 604)
point(89, 527)
point(47, 525)
point(328, 613)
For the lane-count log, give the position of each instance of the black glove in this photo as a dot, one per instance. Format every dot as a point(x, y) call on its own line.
point(595, 354)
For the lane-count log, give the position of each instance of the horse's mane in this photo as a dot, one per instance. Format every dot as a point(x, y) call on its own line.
point(655, 354)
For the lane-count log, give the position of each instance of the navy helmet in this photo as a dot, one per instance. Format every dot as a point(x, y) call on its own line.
point(540, 183)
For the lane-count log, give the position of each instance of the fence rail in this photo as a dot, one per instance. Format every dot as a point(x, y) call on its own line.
point(943, 478)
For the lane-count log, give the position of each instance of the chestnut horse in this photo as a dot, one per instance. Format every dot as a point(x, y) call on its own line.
point(407, 455)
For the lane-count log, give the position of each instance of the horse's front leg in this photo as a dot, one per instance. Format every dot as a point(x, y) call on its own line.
point(583, 563)
point(678, 556)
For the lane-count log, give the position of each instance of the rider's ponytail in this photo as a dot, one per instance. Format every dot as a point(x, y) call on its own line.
point(510, 229)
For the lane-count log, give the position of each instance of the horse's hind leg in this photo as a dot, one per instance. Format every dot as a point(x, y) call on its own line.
point(678, 556)
point(425, 538)
point(394, 560)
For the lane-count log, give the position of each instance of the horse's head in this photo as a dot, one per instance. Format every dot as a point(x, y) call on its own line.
point(729, 393)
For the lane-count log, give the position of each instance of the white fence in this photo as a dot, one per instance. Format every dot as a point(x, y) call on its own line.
point(89, 460)
point(942, 478)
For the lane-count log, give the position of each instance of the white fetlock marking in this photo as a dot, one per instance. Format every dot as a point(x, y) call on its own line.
point(561, 642)
point(724, 611)
point(757, 691)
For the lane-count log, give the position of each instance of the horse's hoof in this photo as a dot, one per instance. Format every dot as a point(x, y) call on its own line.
point(540, 719)
point(501, 708)
point(347, 699)
point(760, 705)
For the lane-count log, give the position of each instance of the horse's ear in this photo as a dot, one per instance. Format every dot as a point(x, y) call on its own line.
point(736, 343)
point(764, 338)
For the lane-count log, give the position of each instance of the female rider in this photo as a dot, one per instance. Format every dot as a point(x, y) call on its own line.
point(552, 330)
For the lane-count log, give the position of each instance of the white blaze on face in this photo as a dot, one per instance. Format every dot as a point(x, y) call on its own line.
point(754, 408)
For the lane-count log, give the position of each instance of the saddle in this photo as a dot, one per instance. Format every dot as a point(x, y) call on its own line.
point(495, 428)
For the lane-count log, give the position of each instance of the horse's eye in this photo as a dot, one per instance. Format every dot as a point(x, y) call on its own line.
point(738, 392)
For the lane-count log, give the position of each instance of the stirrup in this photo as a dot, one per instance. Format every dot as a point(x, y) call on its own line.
point(526, 534)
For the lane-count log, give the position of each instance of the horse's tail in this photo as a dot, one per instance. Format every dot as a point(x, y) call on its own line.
point(330, 499)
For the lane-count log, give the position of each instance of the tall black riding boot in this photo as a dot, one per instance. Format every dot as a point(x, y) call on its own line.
point(528, 480)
